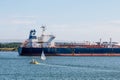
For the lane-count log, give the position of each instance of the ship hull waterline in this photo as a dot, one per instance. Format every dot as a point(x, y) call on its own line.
point(69, 51)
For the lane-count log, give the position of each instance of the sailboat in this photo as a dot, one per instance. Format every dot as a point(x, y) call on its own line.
point(43, 57)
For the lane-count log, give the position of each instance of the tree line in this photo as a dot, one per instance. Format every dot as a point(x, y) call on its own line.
point(10, 45)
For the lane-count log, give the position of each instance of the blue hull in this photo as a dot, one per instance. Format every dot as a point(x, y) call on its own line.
point(69, 51)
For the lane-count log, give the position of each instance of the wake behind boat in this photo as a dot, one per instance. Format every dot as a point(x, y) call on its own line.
point(34, 46)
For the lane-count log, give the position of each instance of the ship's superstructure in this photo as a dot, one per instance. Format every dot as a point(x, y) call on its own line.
point(35, 45)
point(38, 42)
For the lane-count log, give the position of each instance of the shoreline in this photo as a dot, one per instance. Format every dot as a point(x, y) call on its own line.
point(8, 49)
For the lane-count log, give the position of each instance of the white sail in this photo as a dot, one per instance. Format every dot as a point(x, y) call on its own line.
point(43, 57)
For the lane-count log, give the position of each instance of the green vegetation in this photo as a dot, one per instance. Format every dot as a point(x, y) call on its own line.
point(9, 46)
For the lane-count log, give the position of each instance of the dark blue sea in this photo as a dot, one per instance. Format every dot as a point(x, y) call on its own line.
point(15, 67)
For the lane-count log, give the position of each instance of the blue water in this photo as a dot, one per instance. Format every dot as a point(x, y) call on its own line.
point(15, 67)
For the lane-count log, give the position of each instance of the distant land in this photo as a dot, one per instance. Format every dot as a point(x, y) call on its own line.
point(9, 46)
point(11, 40)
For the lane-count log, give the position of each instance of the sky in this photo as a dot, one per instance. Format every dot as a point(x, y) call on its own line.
point(68, 20)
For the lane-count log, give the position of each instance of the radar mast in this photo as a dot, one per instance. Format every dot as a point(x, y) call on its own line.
point(43, 29)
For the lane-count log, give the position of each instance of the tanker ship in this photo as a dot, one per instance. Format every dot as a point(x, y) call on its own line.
point(34, 46)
